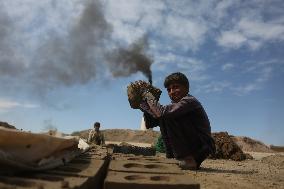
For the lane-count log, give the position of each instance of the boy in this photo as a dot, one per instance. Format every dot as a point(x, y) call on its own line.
point(96, 136)
point(184, 124)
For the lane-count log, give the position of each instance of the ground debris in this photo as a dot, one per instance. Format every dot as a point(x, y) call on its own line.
point(126, 148)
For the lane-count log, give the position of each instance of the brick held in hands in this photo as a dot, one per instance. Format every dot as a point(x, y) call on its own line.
point(134, 92)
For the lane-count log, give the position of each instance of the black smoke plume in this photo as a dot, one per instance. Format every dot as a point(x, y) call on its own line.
point(124, 62)
point(77, 57)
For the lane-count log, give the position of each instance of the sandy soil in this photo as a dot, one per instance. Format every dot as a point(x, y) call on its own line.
point(265, 171)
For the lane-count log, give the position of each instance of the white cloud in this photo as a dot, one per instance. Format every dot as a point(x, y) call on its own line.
point(132, 11)
point(246, 88)
point(264, 75)
point(222, 8)
point(231, 39)
point(188, 24)
point(227, 66)
point(260, 71)
point(190, 8)
point(126, 11)
point(126, 32)
point(175, 26)
point(261, 30)
point(131, 19)
point(176, 23)
point(216, 86)
point(170, 62)
point(9, 104)
point(252, 76)
point(253, 32)
point(189, 33)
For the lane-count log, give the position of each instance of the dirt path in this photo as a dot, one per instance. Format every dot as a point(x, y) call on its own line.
point(250, 174)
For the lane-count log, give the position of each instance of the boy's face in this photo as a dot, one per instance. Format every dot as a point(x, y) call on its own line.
point(177, 91)
point(97, 128)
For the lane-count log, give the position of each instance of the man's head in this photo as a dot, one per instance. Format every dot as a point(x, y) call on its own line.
point(97, 126)
point(177, 86)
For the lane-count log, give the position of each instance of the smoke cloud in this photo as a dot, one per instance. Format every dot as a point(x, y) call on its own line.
point(8, 61)
point(73, 59)
point(49, 126)
point(78, 56)
point(124, 62)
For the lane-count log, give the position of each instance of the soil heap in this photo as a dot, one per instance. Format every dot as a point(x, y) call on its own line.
point(226, 148)
point(251, 145)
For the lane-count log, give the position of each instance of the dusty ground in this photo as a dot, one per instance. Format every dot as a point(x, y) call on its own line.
point(265, 173)
point(266, 170)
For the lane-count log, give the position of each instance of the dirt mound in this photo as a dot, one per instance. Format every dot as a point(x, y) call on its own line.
point(226, 148)
point(251, 145)
point(7, 125)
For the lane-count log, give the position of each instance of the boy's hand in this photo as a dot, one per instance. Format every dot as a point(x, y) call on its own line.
point(138, 90)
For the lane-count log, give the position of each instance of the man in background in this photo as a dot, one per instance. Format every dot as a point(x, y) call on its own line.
point(96, 136)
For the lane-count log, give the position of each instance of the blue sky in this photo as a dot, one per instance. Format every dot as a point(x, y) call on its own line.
point(55, 70)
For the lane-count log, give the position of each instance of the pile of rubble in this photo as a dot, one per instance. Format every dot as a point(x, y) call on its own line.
point(126, 148)
point(226, 148)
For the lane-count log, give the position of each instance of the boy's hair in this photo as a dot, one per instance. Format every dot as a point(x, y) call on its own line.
point(97, 124)
point(176, 77)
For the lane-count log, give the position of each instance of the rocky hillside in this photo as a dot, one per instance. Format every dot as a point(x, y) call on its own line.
point(7, 125)
point(124, 135)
